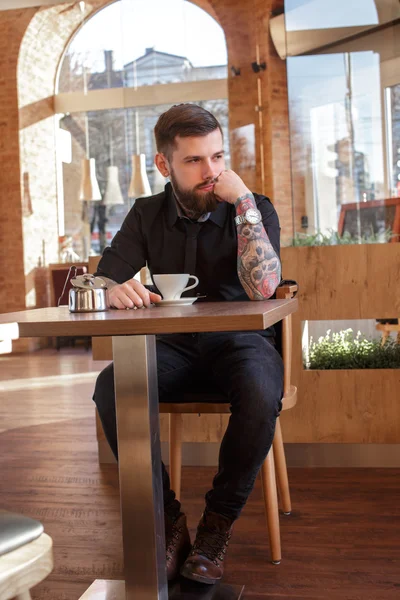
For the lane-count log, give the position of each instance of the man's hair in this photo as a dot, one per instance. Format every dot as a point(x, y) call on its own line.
point(184, 120)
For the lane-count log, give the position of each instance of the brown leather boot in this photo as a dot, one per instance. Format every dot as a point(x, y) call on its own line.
point(177, 543)
point(205, 561)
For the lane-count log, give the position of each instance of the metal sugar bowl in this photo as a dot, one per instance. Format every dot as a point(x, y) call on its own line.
point(88, 293)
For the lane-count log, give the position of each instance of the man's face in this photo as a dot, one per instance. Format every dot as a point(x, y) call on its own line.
point(194, 165)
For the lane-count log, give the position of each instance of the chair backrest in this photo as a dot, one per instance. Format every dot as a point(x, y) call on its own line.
point(58, 275)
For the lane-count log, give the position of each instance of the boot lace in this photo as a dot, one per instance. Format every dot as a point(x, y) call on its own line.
point(172, 538)
point(212, 544)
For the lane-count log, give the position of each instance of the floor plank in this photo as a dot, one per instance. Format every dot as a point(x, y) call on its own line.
point(341, 542)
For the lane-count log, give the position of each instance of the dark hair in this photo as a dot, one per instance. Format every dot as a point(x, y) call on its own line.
point(184, 120)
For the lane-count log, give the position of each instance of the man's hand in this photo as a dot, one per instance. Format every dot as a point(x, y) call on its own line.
point(229, 187)
point(130, 294)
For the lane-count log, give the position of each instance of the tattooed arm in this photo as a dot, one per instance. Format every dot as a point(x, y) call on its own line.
point(258, 265)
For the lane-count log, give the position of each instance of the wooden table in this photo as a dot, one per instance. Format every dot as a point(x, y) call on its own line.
point(136, 391)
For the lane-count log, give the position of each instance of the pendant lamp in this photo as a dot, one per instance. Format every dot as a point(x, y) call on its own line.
point(113, 194)
point(139, 185)
point(89, 189)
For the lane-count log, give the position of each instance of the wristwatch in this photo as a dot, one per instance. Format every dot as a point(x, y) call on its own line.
point(251, 216)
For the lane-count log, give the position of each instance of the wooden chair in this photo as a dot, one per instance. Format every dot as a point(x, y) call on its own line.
point(27, 563)
point(387, 328)
point(274, 469)
point(57, 274)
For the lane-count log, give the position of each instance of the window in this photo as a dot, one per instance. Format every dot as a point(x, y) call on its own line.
point(121, 71)
point(345, 129)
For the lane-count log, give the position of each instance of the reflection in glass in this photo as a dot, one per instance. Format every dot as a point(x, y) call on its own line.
point(342, 137)
point(335, 115)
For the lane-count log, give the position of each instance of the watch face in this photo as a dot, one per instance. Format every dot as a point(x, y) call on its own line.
point(253, 216)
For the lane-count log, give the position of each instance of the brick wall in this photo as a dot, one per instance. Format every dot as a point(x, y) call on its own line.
point(40, 53)
point(31, 45)
point(12, 282)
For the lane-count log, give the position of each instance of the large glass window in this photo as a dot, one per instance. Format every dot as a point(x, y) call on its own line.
point(393, 134)
point(157, 62)
point(344, 121)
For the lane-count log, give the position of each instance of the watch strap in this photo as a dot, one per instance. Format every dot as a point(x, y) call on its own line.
point(240, 219)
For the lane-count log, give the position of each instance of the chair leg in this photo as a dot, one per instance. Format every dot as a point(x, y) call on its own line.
point(271, 506)
point(281, 469)
point(175, 452)
point(385, 335)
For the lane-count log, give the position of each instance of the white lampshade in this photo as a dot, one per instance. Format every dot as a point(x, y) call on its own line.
point(89, 189)
point(113, 194)
point(139, 185)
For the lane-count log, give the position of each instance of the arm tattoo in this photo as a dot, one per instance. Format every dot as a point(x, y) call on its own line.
point(258, 265)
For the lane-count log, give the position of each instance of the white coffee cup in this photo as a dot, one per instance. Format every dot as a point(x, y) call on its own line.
point(173, 285)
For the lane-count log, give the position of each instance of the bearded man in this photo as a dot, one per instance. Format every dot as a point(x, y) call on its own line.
point(205, 223)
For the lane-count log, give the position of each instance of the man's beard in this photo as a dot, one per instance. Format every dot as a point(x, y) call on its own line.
point(193, 202)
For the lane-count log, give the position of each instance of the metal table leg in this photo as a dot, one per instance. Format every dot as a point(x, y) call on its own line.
point(136, 391)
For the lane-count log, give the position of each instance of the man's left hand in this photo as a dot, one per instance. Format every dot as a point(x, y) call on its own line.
point(229, 187)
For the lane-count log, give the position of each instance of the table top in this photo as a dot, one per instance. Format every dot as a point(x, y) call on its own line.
point(201, 316)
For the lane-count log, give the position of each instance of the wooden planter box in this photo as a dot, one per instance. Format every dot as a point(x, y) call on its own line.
point(345, 406)
point(335, 283)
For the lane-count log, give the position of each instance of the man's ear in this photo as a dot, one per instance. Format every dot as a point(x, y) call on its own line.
point(162, 164)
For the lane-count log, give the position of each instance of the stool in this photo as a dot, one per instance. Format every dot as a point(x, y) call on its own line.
point(26, 556)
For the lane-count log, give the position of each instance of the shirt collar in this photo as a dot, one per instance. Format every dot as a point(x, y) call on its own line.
point(218, 216)
point(201, 219)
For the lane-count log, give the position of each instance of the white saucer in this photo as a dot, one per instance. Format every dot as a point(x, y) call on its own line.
point(176, 302)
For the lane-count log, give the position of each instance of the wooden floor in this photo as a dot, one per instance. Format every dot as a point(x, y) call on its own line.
point(341, 542)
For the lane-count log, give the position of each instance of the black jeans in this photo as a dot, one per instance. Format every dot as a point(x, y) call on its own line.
point(248, 370)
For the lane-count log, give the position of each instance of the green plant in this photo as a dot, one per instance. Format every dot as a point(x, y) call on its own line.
point(344, 351)
point(332, 238)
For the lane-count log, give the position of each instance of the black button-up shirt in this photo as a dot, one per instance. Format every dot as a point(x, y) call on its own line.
point(153, 232)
